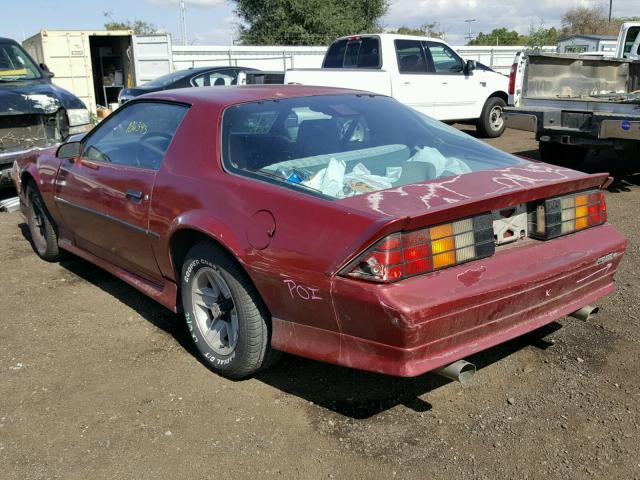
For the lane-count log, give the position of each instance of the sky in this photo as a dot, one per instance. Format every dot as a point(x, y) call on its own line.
point(212, 22)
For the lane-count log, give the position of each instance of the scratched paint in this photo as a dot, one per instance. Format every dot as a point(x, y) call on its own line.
point(471, 276)
point(438, 192)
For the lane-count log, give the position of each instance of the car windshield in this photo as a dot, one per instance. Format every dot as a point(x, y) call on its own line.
point(345, 145)
point(15, 64)
point(168, 79)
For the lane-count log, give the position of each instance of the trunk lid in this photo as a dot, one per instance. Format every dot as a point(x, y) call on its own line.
point(441, 200)
point(420, 205)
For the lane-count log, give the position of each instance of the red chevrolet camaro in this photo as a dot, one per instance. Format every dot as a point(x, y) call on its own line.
point(333, 224)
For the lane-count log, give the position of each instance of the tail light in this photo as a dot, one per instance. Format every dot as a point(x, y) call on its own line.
point(512, 79)
point(406, 254)
point(561, 215)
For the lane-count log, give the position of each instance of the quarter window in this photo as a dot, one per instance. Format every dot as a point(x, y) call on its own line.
point(215, 79)
point(445, 60)
point(136, 136)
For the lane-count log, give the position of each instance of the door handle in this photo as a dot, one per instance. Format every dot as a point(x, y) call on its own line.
point(407, 83)
point(445, 83)
point(135, 195)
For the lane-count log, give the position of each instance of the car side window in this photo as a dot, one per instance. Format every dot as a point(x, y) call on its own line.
point(445, 60)
point(411, 56)
point(138, 135)
point(215, 79)
point(632, 33)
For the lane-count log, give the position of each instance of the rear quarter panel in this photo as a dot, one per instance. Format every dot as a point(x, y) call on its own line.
point(292, 274)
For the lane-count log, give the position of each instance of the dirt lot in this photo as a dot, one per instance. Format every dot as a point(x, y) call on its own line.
point(97, 381)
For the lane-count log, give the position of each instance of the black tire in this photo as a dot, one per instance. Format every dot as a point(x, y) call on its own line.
point(488, 125)
point(570, 156)
point(233, 354)
point(42, 228)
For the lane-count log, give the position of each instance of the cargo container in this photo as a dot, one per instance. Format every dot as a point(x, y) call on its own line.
point(96, 64)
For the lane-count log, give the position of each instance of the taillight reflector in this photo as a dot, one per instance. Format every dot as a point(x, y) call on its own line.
point(406, 254)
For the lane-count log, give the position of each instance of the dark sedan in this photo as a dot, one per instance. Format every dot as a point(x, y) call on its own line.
point(191, 77)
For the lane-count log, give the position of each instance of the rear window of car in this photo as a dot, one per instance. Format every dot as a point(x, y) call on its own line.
point(356, 52)
point(339, 146)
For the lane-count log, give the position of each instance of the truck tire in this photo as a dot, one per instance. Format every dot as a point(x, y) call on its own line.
point(42, 229)
point(226, 318)
point(570, 156)
point(491, 122)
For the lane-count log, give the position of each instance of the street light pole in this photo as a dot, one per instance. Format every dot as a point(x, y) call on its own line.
point(183, 22)
point(610, 8)
point(468, 21)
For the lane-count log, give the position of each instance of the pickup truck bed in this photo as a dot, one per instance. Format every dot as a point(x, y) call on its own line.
point(573, 103)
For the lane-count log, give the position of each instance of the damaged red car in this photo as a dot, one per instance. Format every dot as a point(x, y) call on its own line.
point(333, 224)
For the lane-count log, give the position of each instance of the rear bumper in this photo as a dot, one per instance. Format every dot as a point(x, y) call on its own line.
point(420, 324)
point(574, 127)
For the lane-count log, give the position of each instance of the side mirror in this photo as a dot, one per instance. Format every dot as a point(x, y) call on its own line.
point(470, 66)
point(69, 150)
point(46, 70)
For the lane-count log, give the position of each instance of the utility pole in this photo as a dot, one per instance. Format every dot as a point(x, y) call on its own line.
point(183, 22)
point(469, 37)
point(610, 8)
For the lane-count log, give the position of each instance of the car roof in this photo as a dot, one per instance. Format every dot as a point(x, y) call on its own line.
point(220, 97)
point(8, 40)
point(394, 36)
point(212, 68)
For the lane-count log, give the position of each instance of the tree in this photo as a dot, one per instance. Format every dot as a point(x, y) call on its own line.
point(139, 27)
point(498, 36)
point(588, 21)
point(425, 30)
point(306, 22)
point(539, 36)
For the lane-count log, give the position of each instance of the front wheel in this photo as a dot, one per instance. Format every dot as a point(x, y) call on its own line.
point(225, 315)
point(491, 122)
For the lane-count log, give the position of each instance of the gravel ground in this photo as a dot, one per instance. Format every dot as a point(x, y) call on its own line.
point(97, 381)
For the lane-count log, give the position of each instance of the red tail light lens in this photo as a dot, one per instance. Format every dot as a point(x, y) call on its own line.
point(512, 79)
point(407, 254)
point(562, 215)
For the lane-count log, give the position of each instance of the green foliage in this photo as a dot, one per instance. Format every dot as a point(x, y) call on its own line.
point(306, 22)
point(425, 30)
point(498, 36)
point(139, 27)
point(539, 36)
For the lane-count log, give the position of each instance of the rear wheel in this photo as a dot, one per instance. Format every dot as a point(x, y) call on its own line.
point(570, 156)
point(491, 122)
point(227, 320)
point(42, 229)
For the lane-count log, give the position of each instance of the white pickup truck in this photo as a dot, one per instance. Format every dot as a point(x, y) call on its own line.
point(424, 73)
point(576, 103)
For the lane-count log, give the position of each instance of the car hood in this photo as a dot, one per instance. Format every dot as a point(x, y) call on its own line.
point(468, 194)
point(35, 97)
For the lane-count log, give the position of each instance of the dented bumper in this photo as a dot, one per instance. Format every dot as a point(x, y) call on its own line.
point(417, 325)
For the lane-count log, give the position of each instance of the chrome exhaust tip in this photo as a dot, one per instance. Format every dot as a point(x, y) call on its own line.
point(585, 313)
point(462, 371)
